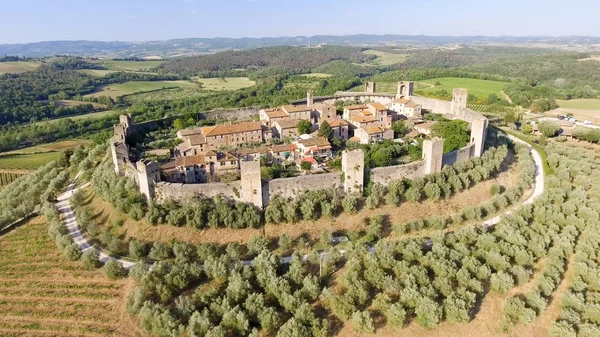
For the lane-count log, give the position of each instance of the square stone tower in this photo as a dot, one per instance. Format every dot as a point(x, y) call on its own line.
point(251, 183)
point(405, 89)
point(148, 174)
point(370, 87)
point(433, 153)
point(309, 98)
point(353, 167)
point(478, 133)
point(459, 100)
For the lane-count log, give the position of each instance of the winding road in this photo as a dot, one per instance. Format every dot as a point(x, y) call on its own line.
point(64, 207)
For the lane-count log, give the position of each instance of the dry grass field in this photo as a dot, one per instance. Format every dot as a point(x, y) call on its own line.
point(385, 58)
point(582, 109)
point(44, 294)
point(17, 67)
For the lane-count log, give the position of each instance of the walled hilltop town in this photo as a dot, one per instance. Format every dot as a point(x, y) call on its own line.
point(211, 151)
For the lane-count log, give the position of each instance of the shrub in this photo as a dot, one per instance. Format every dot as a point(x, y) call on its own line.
point(72, 252)
point(502, 282)
point(257, 244)
point(362, 322)
point(548, 128)
point(429, 312)
point(91, 259)
point(350, 204)
point(114, 269)
point(495, 189)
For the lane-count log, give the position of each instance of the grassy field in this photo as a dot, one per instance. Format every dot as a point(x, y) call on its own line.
point(96, 72)
point(17, 67)
point(316, 75)
point(115, 90)
point(386, 59)
point(479, 88)
point(44, 294)
point(586, 104)
point(93, 115)
point(227, 83)
point(113, 65)
point(26, 161)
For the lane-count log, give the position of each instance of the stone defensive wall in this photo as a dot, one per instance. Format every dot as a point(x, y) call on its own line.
point(290, 187)
point(460, 155)
point(385, 175)
point(251, 189)
point(165, 190)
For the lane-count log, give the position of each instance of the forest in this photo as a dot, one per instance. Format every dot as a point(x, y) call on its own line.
point(272, 59)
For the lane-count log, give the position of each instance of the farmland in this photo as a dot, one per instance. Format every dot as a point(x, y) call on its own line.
point(479, 88)
point(385, 58)
point(26, 161)
point(93, 115)
point(17, 67)
point(127, 88)
point(227, 83)
point(41, 293)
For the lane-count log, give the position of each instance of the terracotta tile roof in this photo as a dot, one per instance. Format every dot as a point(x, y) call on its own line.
point(196, 139)
point(356, 107)
point(322, 106)
point(335, 122)
point(373, 130)
point(401, 100)
point(256, 150)
point(226, 156)
point(378, 106)
point(412, 104)
point(211, 153)
point(187, 132)
point(354, 139)
point(275, 113)
point(184, 161)
point(295, 108)
point(316, 141)
point(412, 134)
point(226, 129)
point(364, 119)
point(289, 123)
point(310, 160)
point(425, 126)
point(283, 148)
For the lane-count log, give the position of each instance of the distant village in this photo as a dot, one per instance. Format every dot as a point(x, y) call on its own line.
point(213, 151)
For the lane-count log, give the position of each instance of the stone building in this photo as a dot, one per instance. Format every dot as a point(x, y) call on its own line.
point(340, 128)
point(204, 139)
point(286, 128)
point(407, 108)
point(313, 147)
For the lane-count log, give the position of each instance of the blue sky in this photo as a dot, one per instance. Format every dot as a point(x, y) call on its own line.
point(108, 20)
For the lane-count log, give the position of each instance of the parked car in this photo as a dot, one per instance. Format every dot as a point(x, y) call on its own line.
point(587, 122)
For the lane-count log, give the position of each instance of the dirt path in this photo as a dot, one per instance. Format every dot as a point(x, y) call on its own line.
point(508, 99)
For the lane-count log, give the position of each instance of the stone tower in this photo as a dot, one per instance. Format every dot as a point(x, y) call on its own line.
point(251, 182)
point(148, 174)
point(120, 156)
point(459, 100)
point(353, 167)
point(478, 133)
point(370, 87)
point(405, 89)
point(433, 153)
point(309, 98)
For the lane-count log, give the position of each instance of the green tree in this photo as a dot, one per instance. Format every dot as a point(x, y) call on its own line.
point(455, 134)
point(304, 127)
point(399, 128)
point(305, 166)
point(325, 130)
point(114, 269)
point(510, 118)
point(178, 124)
point(90, 259)
point(362, 322)
point(548, 128)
